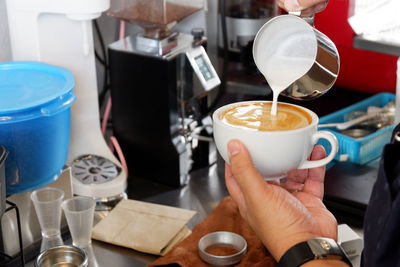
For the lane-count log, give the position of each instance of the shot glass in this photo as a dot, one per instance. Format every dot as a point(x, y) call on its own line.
point(47, 202)
point(79, 212)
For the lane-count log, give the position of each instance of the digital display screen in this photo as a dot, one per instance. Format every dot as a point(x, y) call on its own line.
point(204, 68)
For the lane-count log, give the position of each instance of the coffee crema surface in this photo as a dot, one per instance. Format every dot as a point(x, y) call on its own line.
point(257, 116)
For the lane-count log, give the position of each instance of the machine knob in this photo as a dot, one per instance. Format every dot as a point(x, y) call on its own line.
point(197, 33)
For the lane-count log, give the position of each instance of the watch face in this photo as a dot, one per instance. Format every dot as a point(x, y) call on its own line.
point(322, 246)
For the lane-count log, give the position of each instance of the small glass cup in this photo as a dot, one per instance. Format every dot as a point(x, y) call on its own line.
point(79, 212)
point(47, 203)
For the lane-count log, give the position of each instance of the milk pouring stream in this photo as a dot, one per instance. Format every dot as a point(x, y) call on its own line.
point(282, 61)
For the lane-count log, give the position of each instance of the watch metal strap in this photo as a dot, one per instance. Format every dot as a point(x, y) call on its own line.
point(312, 249)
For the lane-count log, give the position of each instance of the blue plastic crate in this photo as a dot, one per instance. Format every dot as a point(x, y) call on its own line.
point(365, 149)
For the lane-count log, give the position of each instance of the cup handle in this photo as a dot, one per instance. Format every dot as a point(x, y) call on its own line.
point(309, 164)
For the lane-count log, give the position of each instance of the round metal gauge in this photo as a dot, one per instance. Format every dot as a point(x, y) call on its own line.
point(92, 169)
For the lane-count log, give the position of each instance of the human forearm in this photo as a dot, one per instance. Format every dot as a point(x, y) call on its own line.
point(327, 263)
point(279, 247)
point(307, 6)
point(281, 219)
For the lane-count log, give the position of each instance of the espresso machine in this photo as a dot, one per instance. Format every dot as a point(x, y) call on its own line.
point(240, 22)
point(160, 80)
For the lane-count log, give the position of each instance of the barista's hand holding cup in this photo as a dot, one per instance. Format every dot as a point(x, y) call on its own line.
point(277, 144)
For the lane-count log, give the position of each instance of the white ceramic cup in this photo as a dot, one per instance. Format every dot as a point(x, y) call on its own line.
point(274, 153)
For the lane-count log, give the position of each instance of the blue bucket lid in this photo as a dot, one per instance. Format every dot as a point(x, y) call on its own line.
point(29, 87)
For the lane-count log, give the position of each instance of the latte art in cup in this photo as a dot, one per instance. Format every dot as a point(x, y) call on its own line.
point(278, 143)
point(257, 117)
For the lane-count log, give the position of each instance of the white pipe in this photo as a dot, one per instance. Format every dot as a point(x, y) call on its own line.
point(397, 114)
point(85, 37)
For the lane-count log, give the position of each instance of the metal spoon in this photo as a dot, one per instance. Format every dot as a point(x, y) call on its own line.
point(388, 109)
point(348, 124)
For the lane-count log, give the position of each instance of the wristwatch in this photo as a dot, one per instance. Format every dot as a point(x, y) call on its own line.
point(312, 249)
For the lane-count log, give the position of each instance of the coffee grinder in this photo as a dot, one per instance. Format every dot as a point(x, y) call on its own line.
point(160, 80)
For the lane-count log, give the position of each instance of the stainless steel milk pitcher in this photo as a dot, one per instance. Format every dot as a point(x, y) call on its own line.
point(319, 76)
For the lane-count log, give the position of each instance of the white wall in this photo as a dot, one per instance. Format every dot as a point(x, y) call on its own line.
point(5, 50)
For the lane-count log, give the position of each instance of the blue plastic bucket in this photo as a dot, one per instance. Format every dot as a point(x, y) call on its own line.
point(35, 101)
